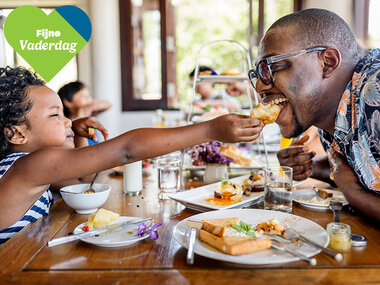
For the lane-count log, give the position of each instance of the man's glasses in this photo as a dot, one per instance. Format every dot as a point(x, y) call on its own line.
point(264, 71)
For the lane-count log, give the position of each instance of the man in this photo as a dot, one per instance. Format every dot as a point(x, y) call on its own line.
point(310, 59)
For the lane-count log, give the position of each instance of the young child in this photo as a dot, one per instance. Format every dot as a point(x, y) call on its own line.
point(78, 103)
point(37, 149)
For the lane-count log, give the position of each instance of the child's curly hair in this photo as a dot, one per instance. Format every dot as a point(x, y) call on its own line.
point(14, 105)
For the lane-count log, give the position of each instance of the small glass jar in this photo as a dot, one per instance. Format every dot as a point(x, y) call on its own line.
point(340, 236)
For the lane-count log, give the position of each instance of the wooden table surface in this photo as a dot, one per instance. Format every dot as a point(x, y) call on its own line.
point(26, 259)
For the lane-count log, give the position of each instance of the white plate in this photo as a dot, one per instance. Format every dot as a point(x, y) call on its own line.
point(308, 194)
point(303, 226)
point(115, 238)
point(195, 198)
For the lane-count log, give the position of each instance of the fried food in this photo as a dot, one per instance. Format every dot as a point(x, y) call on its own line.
point(267, 113)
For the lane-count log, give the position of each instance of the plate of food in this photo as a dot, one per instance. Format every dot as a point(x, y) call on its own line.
point(237, 192)
point(245, 236)
point(112, 238)
point(317, 199)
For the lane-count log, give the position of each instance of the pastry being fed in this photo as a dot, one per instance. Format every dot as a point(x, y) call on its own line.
point(267, 113)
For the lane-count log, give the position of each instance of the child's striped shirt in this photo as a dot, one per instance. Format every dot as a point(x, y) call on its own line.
point(39, 209)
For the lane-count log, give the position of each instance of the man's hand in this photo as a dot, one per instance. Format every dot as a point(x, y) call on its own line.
point(234, 128)
point(80, 128)
point(343, 174)
point(297, 157)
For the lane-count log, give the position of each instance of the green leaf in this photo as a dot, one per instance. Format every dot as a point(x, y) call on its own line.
point(251, 234)
point(238, 228)
point(224, 182)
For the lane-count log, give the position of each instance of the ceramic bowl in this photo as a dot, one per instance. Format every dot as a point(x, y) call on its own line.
point(85, 203)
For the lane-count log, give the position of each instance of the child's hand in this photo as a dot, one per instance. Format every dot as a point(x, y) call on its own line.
point(235, 128)
point(80, 128)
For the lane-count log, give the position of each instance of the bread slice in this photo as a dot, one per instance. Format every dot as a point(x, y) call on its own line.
point(235, 245)
point(218, 227)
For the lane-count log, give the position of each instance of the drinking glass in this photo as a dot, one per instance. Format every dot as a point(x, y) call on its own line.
point(132, 178)
point(278, 188)
point(169, 174)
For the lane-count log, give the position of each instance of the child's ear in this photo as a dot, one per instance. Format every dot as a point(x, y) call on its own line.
point(19, 136)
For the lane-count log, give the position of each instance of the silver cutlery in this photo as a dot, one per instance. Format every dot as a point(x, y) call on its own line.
point(311, 260)
point(194, 225)
point(70, 238)
point(289, 234)
point(335, 206)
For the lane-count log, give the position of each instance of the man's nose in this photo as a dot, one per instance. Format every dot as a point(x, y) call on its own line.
point(260, 87)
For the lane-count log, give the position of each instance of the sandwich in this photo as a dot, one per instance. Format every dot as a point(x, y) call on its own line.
point(267, 113)
point(221, 234)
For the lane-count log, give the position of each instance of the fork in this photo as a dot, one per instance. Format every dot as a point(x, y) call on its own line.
point(312, 261)
point(291, 235)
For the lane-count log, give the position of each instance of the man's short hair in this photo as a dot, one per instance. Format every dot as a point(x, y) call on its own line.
point(319, 27)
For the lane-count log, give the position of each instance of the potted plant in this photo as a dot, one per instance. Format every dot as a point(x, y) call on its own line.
point(208, 154)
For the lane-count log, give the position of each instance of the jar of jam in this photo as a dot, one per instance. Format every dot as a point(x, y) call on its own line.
point(340, 236)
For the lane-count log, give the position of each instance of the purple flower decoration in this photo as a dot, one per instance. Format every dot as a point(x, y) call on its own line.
point(151, 230)
point(208, 153)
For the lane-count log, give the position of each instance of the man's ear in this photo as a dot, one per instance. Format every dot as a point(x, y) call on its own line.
point(331, 60)
point(19, 136)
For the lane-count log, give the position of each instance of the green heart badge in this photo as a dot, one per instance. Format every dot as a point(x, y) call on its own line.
point(47, 42)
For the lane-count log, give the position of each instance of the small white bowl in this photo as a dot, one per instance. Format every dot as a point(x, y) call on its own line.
point(85, 203)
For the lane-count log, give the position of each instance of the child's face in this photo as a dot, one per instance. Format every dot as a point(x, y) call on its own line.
point(48, 126)
point(81, 99)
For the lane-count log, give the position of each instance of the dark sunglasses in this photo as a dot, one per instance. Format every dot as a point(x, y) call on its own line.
point(263, 70)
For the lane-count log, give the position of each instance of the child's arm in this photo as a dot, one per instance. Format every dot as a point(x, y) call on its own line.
point(132, 146)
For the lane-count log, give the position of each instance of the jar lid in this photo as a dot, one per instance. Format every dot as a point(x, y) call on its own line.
point(358, 240)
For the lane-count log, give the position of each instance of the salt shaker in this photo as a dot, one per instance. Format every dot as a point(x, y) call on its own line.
point(132, 178)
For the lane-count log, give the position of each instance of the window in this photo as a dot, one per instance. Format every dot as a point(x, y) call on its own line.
point(160, 40)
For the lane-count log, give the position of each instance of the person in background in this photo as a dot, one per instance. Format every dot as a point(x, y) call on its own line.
point(209, 98)
point(37, 146)
point(311, 59)
point(78, 103)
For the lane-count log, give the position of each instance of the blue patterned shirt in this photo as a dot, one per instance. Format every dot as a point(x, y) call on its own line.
point(357, 124)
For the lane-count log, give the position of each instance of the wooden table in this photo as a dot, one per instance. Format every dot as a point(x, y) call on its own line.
point(26, 259)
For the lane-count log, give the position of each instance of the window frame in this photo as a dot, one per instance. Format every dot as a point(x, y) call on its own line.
point(126, 44)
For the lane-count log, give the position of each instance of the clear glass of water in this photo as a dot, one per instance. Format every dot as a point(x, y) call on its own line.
point(278, 188)
point(169, 174)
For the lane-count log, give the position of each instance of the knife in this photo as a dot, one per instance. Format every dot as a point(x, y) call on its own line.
point(312, 261)
point(194, 225)
point(291, 235)
point(70, 238)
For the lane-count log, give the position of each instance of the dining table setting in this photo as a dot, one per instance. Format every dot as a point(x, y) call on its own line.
point(151, 235)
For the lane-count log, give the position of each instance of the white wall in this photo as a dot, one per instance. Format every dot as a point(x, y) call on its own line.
point(343, 8)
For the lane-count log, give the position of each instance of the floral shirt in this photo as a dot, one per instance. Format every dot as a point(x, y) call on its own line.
point(357, 124)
